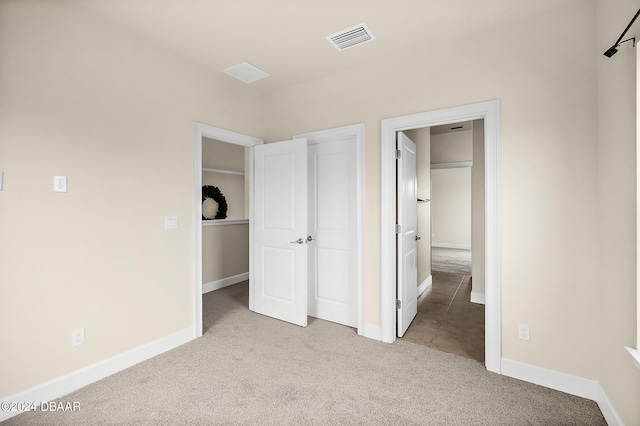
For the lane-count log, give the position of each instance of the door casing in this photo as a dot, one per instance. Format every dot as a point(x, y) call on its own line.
point(489, 111)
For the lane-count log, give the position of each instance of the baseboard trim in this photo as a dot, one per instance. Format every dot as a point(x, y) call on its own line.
point(64, 385)
point(425, 285)
point(563, 382)
point(451, 246)
point(574, 385)
point(609, 413)
point(224, 282)
point(372, 332)
point(477, 297)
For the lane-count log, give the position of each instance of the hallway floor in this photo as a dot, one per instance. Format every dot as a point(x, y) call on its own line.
point(447, 320)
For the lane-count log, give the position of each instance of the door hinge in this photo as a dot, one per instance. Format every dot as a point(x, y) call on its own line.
point(398, 154)
point(398, 228)
point(398, 304)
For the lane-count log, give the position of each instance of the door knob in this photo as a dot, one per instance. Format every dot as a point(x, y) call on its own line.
point(298, 241)
point(310, 238)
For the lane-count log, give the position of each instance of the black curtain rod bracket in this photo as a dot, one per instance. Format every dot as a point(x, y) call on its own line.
point(613, 49)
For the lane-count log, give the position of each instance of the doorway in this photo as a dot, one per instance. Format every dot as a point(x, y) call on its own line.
point(450, 198)
point(488, 111)
point(200, 132)
point(353, 135)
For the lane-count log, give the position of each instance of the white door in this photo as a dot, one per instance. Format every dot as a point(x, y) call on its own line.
point(407, 279)
point(333, 261)
point(281, 230)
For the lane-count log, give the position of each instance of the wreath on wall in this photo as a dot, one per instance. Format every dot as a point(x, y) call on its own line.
point(213, 192)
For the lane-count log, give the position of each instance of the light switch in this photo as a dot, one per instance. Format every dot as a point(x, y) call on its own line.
point(171, 222)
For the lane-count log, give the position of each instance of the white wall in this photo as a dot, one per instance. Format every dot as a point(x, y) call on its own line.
point(452, 147)
point(615, 203)
point(82, 98)
point(451, 198)
point(451, 207)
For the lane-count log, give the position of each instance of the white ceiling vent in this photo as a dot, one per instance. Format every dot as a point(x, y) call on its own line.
point(246, 72)
point(351, 37)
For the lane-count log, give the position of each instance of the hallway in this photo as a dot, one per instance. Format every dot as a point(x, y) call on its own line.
point(447, 320)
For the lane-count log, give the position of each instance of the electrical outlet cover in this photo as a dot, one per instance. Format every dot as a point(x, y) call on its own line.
point(59, 184)
point(77, 337)
point(523, 332)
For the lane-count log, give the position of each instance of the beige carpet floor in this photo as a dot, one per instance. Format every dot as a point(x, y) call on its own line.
point(253, 370)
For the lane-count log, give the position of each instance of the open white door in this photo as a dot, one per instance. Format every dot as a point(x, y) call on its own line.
point(281, 230)
point(407, 233)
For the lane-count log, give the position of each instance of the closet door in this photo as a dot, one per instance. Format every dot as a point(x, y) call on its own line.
point(333, 261)
point(281, 230)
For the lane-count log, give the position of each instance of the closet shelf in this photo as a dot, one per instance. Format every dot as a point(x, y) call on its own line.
point(218, 222)
point(227, 172)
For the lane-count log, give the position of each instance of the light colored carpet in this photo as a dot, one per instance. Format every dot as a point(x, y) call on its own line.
point(253, 370)
point(456, 261)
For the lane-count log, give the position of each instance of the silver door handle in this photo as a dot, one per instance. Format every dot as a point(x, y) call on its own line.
point(417, 238)
point(298, 241)
point(310, 238)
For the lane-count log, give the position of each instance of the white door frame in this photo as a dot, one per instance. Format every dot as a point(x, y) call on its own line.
point(199, 131)
point(356, 130)
point(489, 111)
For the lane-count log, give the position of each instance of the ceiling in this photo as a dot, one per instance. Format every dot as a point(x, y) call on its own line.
point(286, 38)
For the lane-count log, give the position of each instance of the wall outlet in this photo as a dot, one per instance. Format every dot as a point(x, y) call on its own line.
point(77, 337)
point(523, 331)
point(59, 184)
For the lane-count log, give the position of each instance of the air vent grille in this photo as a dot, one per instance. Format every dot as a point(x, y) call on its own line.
point(351, 37)
point(246, 72)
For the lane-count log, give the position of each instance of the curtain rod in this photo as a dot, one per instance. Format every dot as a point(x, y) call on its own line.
point(612, 50)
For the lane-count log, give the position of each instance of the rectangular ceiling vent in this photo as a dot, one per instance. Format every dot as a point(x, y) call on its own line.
point(351, 37)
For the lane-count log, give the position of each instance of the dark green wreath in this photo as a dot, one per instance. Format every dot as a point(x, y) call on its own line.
point(210, 191)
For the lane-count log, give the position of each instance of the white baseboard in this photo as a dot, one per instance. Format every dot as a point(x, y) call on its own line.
point(372, 332)
point(477, 297)
point(563, 382)
point(452, 246)
point(609, 413)
point(225, 282)
point(71, 382)
point(425, 285)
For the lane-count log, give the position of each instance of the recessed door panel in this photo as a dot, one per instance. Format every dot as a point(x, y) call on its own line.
point(332, 285)
point(332, 200)
point(279, 208)
point(279, 273)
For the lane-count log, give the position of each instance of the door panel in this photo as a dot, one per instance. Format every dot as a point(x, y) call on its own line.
point(280, 230)
point(407, 279)
point(333, 262)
